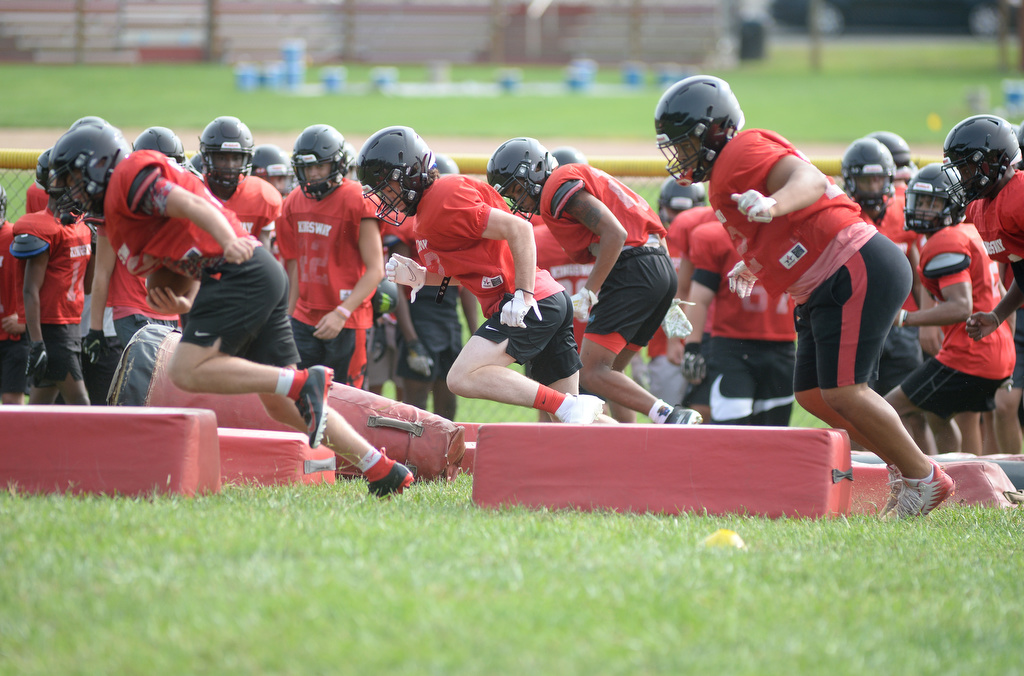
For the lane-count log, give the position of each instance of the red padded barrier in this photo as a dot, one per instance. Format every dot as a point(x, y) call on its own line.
point(769, 471)
point(978, 482)
point(432, 450)
point(468, 458)
point(270, 458)
point(125, 451)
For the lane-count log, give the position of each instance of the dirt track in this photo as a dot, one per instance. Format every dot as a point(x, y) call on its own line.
point(31, 139)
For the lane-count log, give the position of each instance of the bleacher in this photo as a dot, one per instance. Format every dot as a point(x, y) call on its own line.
point(688, 32)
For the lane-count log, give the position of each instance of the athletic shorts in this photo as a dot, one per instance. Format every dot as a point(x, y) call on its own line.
point(345, 353)
point(754, 381)
point(1018, 344)
point(901, 355)
point(945, 392)
point(246, 306)
point(546, 346)
point(635, 296)
point(700, 394)
point(13, 360)
point(63, 353)
point(843, 325)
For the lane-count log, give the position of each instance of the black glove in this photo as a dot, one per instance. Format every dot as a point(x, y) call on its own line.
point(694, 366)
point(37, 361)
point(419, 359)
point(94, 345)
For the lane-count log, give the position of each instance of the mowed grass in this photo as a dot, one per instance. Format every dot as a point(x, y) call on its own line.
point(862, 86)
point(324, 580)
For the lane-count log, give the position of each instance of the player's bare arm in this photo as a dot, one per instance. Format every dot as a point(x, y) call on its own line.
point(596, 217)
point(183, 204)
point(794, 184)
point(956, 306)
point(519, 234)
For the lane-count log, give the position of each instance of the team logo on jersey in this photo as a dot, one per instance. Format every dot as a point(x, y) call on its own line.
point(309, 228)
point(791, 257)
point(492, 282)
point(247, 226)
point(995, 246)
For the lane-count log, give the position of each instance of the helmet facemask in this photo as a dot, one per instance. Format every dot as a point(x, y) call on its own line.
point(520, 192)
point(317, 188)
point(224, 168)
point(689, 160)
point(972, 177)
point(392, 197)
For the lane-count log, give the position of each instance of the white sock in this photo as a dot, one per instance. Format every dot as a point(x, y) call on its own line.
point(917, 482)
point(659, 412)
point(369, 460)
point(566, 406)
point(285, 377)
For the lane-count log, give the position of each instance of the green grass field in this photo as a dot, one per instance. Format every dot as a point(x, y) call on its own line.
point(324, 580)
point(892, 85)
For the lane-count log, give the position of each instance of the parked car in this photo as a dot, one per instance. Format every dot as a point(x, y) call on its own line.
point(978, 17)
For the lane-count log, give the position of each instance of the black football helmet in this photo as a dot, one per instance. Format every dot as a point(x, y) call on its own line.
point(81, 163)
point(675, 198)
point(900, 151)
point(522, 162)
point(271, 163)
point(43, 169)
point(568, 155)
point(162, 140)
point(226, 135)
point(704, 109)
point(395, 168)
point(3, 205)
point(318, 144)
point(979, 151)
point(867, 157)
point(445, 164)
point(88, 119)
point(928, 206)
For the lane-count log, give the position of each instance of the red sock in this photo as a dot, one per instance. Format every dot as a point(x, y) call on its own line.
point(380, 469)
point(297, 382)
point(548, 399)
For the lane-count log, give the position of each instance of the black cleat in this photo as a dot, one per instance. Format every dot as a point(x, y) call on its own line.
point(312, 402)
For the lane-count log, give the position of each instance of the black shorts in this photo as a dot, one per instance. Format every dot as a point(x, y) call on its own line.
point(546, 347)
point(901, 355)
point(246, 306)
point(843, 325)
point(945, 392)
point(340, 353)
point(13, 360)
point(1018, 344)
point(754, 378)
point(635, 296)
point(63, 354)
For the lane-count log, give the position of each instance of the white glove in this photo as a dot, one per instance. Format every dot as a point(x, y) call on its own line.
point(755, 206)
point(402, 270)
point(514, 311)
point(741, 280)
point(582, 301)
point(675, 324)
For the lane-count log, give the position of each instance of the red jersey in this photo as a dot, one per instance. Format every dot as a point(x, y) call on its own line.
point(993, 356)
point(12, 276)
point(572, 276)
point(126, 295)
point(256, 203)
point(1000, 221)
point(778, 252)
point(450, 220)
point(142, 241)
point(36, 198)
point(760, 316)
point(631, 210)
point(323, 237)
point(62, 295)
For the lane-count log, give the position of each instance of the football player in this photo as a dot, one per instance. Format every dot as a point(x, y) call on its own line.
point(330, 241)
point(798, 232)
point(274, 166)
point(238, 338)
point(13, 345)
point(598, 220)
point(226, 148)
point(465, 232)
point(961, 278)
